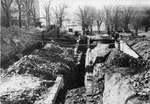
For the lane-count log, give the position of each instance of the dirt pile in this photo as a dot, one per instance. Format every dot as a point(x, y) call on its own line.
point(15, 40)
point(140, 44)
point(133, 87)
point(120, 59)
point(41, 68)
point(23, 89)
point(76, 96)
point(143, 48)
point(126, 79)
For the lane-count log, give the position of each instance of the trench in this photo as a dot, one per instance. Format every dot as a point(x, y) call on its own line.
point(79, 82)
point(81, 58)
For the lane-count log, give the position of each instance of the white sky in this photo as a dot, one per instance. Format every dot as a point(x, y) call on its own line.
point(74, 4)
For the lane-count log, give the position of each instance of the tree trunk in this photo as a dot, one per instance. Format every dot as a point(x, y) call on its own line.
point(7, 22)
point(126, 25)
point(19, 8)
point(60, 23)
point(8, 19)
point(27, 19)
point(136, 31)
point(98, 27)
point(34, 21)
point(83, 28)
point(91, 29)
point(116, 26)
point(146, 28)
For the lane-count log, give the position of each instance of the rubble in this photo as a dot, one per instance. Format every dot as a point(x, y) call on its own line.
point(41, 68)
point(140, 44)
point(76, 96)
point(124, 86)
point(120, 59)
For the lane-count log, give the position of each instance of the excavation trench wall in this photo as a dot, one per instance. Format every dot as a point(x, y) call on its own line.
point(15, 40)
point(120, 86)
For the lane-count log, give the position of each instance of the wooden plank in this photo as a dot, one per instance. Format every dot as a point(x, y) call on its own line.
point(59, 84)
point(127, 49)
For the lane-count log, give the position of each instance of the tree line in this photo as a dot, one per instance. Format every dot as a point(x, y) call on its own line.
point(28, 9)
point(115, 17)
point(56, 13)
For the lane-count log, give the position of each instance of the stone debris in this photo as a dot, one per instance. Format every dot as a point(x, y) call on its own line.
point(140, 44)
point(40, 69)
point(76, 96)
point(120, 59)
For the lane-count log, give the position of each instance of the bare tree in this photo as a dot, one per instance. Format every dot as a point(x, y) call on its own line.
point(99, 19)
point(19, 3)
point(33, 13)
point(146, 19)
point(82, 14)
point(108, 16)
point(6, 4)
point(60, 12)
point(47, 12)
point(112, 17)
point(86, 16)
point(137, 21)
point(127, 16)
point(91, 17)
point(116, 17)
point(27, 5)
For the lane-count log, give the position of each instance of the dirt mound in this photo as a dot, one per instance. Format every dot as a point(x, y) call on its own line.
point(120, 59)
point(23, 89)
point(41, 68)
point(15, 40)
point(76, 96)
point(143, 48)
point(140, 44)
point(47, 63)
point(138, 82)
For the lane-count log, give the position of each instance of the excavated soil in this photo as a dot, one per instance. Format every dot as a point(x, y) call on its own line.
point(140, 44)
point(15, 40)
point(42, 67)
point(31, 78)
point(139, 81)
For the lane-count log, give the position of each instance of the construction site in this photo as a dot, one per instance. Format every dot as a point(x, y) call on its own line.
point(68, 66)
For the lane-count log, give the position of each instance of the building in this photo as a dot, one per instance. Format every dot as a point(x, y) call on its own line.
point(15, 14)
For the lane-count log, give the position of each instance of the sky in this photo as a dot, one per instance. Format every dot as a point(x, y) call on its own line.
point(74, 4)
